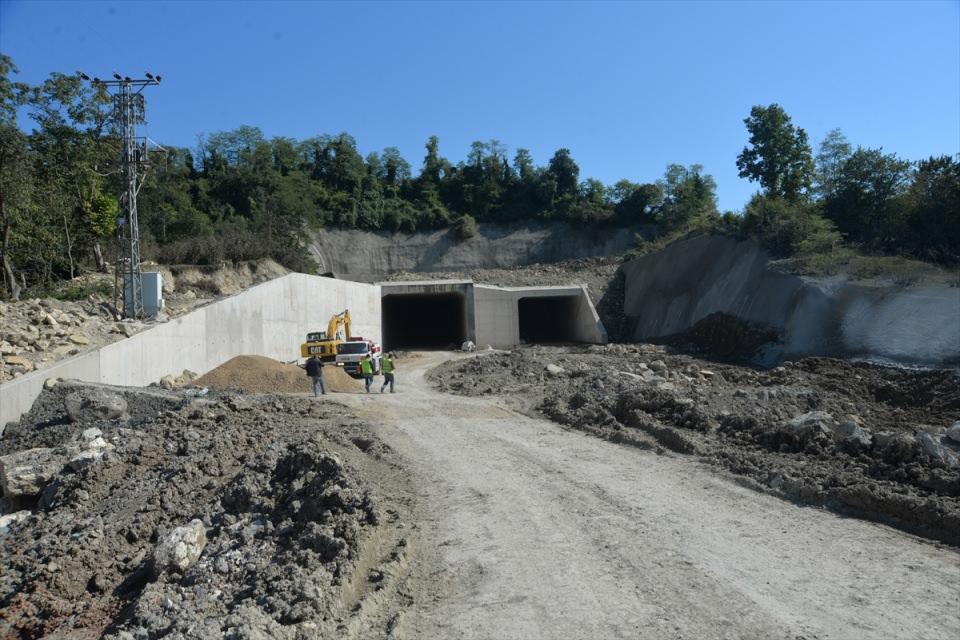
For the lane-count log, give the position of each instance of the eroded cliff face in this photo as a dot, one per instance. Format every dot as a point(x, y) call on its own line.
point(670, 291)
point(361, 255)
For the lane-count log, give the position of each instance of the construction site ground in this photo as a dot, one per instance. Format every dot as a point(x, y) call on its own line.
point(465, 506)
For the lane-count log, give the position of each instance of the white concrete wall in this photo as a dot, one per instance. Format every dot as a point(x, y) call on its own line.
point(498, 321)
point(270, 319)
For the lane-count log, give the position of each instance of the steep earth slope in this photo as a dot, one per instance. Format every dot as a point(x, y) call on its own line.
point(369, 256)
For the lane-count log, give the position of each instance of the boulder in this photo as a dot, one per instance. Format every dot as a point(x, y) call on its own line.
point(181, 548)
point(853, 436)
point(555, 370)
point(468, 346)
point(11, 519)
point(19, 361)
point(168, 381)
point(50, 321)
point(85, 458)
point(657, 365)
point(811, 426)
point(87, 405)
point(79, 338)
point(940, 449)
point(896, 447)
point(91, 434)
point(27, 472)
point(954, 432)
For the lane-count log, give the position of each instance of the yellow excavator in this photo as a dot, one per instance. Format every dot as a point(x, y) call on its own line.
point(324, 343)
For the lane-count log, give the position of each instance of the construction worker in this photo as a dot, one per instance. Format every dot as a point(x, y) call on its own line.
point(314, 367)
point(366, 370)
point(387, 367)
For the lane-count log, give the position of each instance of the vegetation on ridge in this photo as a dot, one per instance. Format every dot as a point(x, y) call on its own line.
point(239, 195)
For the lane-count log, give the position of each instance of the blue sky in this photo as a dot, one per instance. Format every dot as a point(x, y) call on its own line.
point(627, 87)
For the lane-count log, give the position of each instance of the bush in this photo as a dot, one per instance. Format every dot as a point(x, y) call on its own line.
point(788, 228)
point(465, 227)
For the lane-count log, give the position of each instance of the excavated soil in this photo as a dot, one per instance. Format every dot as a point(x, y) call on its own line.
point(857, 438)
point(298, 500)
point(257, 374)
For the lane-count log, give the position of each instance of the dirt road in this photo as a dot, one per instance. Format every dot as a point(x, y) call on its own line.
point(548, 533)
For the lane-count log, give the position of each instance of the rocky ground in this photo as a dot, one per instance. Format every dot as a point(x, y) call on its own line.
point(141, 513)
point(861, 439)
point(39, 331)
point(600, 276)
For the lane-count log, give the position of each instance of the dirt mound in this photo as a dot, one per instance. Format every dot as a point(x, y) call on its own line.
point(722, 335)
point(258, 374)
point(865, 440)
point(221, 516)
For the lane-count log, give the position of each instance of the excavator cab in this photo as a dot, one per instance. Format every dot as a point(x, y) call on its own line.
point(324, 343)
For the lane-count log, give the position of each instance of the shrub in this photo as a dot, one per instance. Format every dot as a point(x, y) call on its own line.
point(465, 227)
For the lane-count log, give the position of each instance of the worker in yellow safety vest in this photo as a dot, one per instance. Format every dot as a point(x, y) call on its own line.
point(388, 369)
point(366, 370)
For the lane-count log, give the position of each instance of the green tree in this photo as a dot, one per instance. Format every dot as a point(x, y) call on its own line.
point(778, 155)
point(16, 179)
point(688, 195)
point(865, 205)
point(834, 151)
point(565, 173)
point(933, 202)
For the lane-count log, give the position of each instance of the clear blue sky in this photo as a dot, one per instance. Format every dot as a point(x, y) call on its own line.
point(628, 87)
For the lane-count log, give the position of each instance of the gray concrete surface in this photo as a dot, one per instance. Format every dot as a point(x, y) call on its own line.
point(370, 256)
point(270, 319)
point(670, 290)
point(492, 314)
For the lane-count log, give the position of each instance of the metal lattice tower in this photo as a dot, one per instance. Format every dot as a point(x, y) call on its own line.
point(129, 110)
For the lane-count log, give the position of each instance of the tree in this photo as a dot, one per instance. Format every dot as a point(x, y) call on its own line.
point(865, 202)
point(933, 202)
point(688, 195)
point(779, 155)
point(834, 151)
point(565, 173)
point(16, 181)
point(635, 203)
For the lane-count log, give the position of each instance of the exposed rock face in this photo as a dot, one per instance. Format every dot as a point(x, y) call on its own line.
point(373, 255)
point(669, 291)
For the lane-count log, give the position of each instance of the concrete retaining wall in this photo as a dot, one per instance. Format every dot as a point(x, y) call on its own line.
point(498, 323)
point(668, 291)
point(270, 319)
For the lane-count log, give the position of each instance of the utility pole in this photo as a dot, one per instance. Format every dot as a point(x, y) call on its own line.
point(129, 110)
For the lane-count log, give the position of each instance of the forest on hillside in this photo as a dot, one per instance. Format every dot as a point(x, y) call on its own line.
point(239, 195)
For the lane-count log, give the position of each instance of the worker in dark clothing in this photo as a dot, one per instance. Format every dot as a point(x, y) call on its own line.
point(366, 370)
point(388, 368)
point(314, 367)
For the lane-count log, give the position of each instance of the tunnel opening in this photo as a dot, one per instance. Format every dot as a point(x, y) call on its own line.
point(548, 319)
point(424, 320)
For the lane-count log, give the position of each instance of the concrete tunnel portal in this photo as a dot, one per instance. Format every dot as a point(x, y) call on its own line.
point(442, 314)
point(436, 320)
point(548, 319)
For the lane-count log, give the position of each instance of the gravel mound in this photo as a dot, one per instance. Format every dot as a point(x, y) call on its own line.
point(258, 374)
point(862, 439)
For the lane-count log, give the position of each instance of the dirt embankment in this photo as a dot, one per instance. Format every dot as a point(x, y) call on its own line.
point(148, 513)
point(861, 439)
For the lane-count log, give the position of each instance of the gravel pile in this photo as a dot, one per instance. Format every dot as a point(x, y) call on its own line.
point(257, 374)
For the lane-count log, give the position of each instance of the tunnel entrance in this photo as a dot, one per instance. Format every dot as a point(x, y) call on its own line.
point(548, 319)
point(424, 320)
